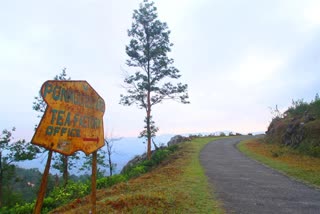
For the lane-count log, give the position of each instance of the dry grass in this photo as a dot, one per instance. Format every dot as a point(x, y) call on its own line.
point(285, 159)
point(179, 185)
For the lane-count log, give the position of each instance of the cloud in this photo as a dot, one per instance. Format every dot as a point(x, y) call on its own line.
point(238, 58)
point(256, 67)
point(303, 15)
point(312, 15)
point(12, 51)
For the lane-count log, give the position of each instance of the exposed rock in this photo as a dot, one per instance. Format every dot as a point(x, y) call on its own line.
point(298, 128)
point(290, 132)
point(294, 134)
point(273, 126)
point(178, 139)
point(308, 117)
point(137, 159)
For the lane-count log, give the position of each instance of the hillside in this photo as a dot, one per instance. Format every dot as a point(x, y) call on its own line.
point(298, 127)
point(177, 185)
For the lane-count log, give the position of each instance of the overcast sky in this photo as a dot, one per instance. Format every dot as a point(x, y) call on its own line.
point(239, 57)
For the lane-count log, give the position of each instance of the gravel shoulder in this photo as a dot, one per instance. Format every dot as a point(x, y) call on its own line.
point(246, 186)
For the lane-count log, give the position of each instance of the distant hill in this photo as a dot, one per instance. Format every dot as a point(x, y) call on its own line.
point(24, 186)
point(124, 150)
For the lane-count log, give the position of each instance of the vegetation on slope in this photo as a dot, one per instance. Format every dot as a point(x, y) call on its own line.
point(292, 142)
point(60, 194)
point(179, 185)
point(284, 159)
point(298, 127)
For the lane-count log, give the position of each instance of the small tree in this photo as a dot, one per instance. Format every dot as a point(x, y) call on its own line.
point(316, 98)
point(64, 164)
point(275, 112)
point(102, 155)
point(11, 153)
point(101, 164)
point(110, 151)
point(147, 51)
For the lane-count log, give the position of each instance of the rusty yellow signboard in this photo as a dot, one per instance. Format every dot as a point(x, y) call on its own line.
point(73, 119)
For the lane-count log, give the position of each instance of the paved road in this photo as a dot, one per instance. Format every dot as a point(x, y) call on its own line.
point(245, 186)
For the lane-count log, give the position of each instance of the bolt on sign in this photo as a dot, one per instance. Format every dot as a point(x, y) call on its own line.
point(73, 119)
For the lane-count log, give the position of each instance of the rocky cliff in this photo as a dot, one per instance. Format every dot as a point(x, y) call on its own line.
point(298, 127)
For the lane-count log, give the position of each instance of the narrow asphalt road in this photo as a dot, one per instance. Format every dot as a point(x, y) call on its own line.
point(246, 186)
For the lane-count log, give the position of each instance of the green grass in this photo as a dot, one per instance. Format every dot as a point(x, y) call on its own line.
point(178, 185)
point(284, 159)
point(195, 179)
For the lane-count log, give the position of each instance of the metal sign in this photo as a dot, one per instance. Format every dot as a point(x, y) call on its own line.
point(73, 119)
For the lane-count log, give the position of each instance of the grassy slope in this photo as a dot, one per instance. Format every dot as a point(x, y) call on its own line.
point(284, 159)
point(178, 186)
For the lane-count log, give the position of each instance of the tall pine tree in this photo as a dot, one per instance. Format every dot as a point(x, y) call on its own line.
point(152, 82)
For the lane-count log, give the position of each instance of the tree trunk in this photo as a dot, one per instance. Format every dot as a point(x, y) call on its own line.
point(65, 170)
point(110, 166)
point(148, 127)
point(148, 95)
point(109, 150)
point(155, 145)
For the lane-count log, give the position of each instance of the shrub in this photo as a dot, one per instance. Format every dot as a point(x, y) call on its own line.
point(160, 155)
point(222, 134)
point(63, 195)
point(136, 171)
point(26, 208)
point(110, 181)
point(173, 148)
point(309, 147)
point(146, 165)
point(49, 203)
point(298, 107)
point(315, 108)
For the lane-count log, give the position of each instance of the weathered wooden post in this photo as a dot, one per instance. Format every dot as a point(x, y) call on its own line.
point(94, 183)
point(43, 185)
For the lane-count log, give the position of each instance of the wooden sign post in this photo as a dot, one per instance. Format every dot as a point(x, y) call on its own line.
point(43, 186)
point(94, 183)
point(72, 121)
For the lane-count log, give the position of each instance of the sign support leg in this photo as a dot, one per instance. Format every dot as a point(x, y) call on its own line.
point(94, 182)
point(43, 187)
